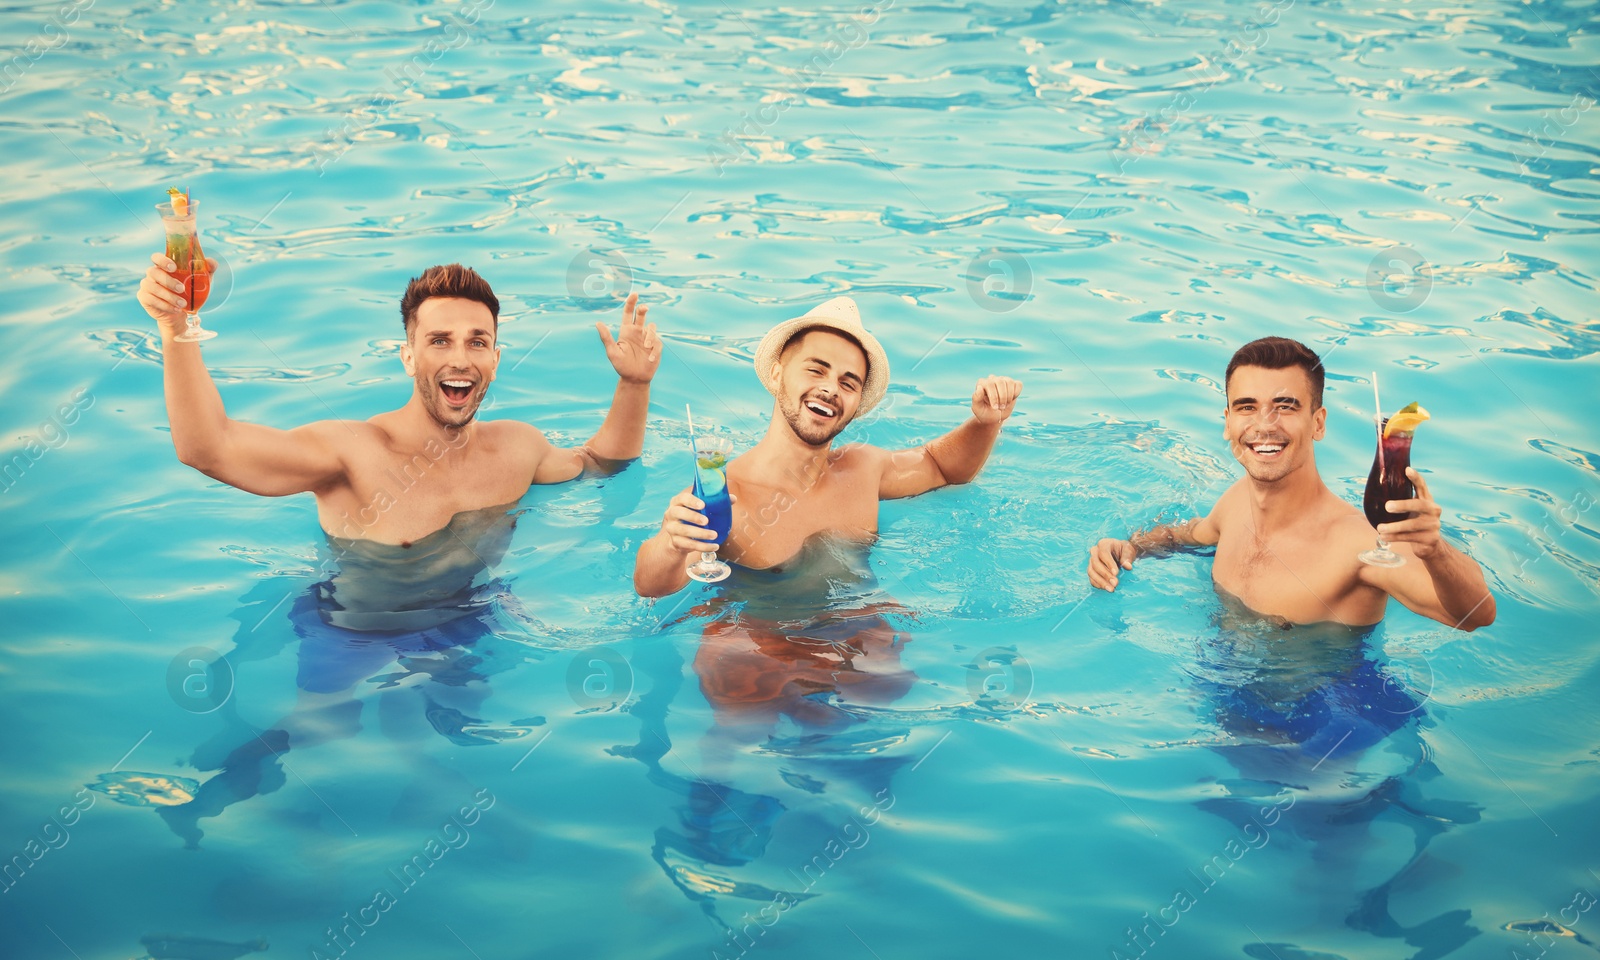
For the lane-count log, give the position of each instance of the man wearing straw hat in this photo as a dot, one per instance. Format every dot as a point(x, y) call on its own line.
point(1286, 545)
point(824, 371)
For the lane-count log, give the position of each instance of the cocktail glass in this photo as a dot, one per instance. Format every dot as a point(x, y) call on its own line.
point(1387, 481)
point(193, 271)
point(711, 456)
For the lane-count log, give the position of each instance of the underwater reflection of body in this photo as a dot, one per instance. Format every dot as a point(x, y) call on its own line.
point(1332, 737)
point(427, 610)
point(784, 658)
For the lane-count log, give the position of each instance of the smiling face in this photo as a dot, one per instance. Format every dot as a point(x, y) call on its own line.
point(820, 377)
point(450, 352)
point(1269, 421)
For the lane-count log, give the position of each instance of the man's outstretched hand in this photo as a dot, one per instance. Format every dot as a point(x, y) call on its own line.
point(1107, 560)
point(994, 398)
point(1420, 528)
point(635, 352)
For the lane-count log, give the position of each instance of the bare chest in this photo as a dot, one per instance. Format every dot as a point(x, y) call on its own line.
point(770, 525)
point(394, 497)
point(1300, 578)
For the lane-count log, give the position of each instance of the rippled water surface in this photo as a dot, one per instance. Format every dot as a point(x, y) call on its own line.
point(950, 747)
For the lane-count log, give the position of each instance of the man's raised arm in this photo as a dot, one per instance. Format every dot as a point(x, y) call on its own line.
point(957, 456)
point(635, 353)
point(254, 458)
point(1447, 585)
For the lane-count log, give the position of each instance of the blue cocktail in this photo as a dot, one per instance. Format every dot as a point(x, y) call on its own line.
point(711, 486)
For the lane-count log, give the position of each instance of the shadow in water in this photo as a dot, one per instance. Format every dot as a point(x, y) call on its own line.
point(423, 626)
point(1330, 735)
point(780, 658)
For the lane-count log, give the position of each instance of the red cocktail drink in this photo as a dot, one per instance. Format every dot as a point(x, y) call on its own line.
point(196, 279)
point(1388, 480)
point(192, 268)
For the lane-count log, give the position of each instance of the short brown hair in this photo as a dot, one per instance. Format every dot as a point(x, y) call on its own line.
point(800, 334)
point(450, 280)
point(1280, 353)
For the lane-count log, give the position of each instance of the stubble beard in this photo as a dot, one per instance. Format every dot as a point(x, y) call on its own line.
point(791, 415)
point(438, 410)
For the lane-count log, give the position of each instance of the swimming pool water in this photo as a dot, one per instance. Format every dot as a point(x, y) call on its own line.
point(960, 750)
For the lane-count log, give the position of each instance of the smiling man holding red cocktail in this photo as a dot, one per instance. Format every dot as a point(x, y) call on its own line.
point(402, 475)
point(1286, 546)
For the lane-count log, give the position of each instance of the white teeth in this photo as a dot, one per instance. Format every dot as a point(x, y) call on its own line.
point(457, 383)
point(821, 409)
point(1267, 448)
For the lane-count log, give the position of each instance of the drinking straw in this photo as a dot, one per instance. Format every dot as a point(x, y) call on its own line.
point(1377, 418)
point(693, 450)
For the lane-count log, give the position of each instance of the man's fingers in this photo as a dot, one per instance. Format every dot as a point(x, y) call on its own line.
point(1418, 505)
point(159, 295)
point(683, 513)
point(1401, 529)
point(605, 335)
point(628, 308)
point(1103, 567)
point(1422, 485)
point(685, 545)
point(162, 278)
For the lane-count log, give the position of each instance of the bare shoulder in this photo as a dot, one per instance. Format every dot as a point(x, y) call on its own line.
point(1231, 500)
point(342, 433)
point(511, 431)
point(1345, 523)
point(859, 456)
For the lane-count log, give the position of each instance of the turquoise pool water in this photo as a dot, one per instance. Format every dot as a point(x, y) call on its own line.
point(971, 753)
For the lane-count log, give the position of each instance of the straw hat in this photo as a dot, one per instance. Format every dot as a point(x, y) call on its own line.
point(839, 314)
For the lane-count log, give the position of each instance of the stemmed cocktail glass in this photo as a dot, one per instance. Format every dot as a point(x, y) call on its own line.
point(192, 269)
point(1388, 480)
point(711, 455)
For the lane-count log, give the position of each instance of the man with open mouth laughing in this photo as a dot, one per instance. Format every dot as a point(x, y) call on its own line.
point(824, 370)
point(1287, 546)
point(401, 475)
